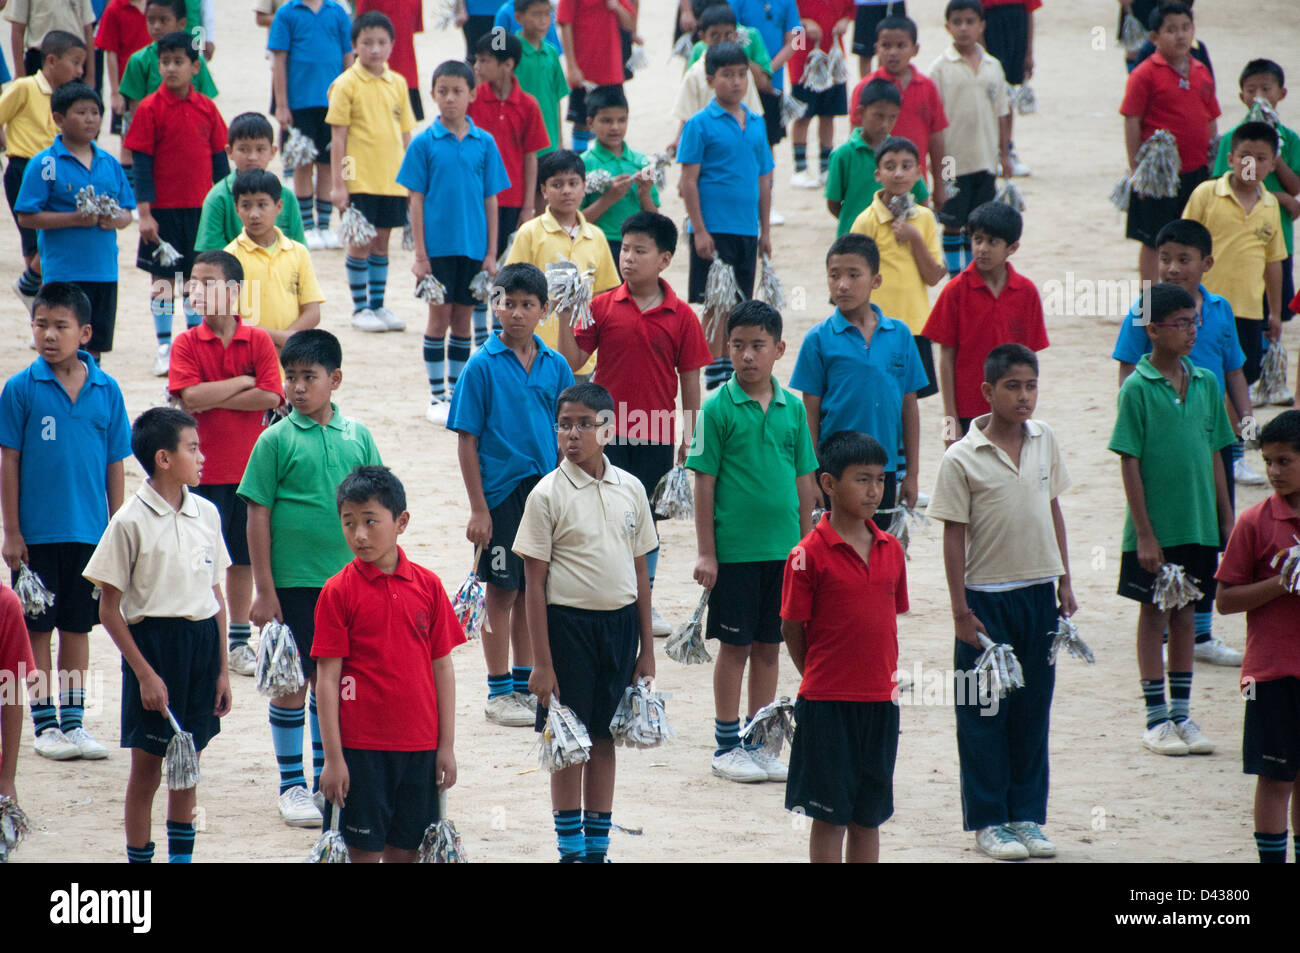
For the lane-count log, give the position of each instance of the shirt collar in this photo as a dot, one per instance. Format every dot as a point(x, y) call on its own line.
point(580, 478)
point(738, 395)
point(550, 223)
point(840, 324)
point(43, 84)
point(496, 346)
point(247, 243)
point(370, 572)
point(832, 538)
point(715, 109)
point(670, 302)
point(242, 331)
point(58, 148)
point(42, 371)
point(1149, 371)
point(971, 273)
point(154, 500)
point(303, 422)
point(1281, 510)
point(1223, 189)
point(487, 94)
point(366, 76)
point(440, 131)
point(171, 97)
point(978, 438)
point(952, 56)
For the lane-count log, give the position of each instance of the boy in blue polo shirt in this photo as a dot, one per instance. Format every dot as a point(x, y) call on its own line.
point(503, 411)
point(63, 436)
point(860, 370)
point(74, 247)
point(726, 185)
point(453, 172)
point(310, 44)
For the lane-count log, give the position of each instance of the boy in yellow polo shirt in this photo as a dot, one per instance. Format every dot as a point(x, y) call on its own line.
point(280, 293)
point(371, 120)
point(28, 128)
point(1245, 222)
point(562, 232)
point(911, 255)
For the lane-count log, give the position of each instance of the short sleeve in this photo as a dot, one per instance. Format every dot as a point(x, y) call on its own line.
point(266, 363)
point(805, 454)
point(261, 475)
point(114, 557)
point(533, 538)
point(706, 453)
point(763, 151)
point(901, 602)
point(914, 375)
point(495, 177)
point(1218, 426)
point(809, 375)
point(280, 37)
point(950, 501)
point(1221, 158)
point(15, 646)
point(1059, 478)
point(690, 149)
point(339, 112)
point(414, 171)
point(290, 218)
point(330, 640)
point(836, 179)
point(34, 193)
point(309, 289)
point(125, 194)
point(938, 118)
point(647, 539)
point(1129, 433)
point(211, 235)
point(535, 136)
point(932, 243)
point(119, 428)
point(1195, 208)
point(559, 85)
point(687, 103)
point(12, 102)
point(407, 121)
point(1237, 564)
point(1131, 342)
point(945, 319)
point(564, 13)
point(134, 83)
point(217, 143)
point(693, 347)
point(106, 37)
point(1276, 250)
point(1001, 101)
point(140, 137)
point(372, 458)
point(469, 401)
point(222, 562)
point(447, 631)
point(797, 585)
point(343, 33)
point(1136, 94)
point(521, 249)
point(184, 369)
point(13, 414)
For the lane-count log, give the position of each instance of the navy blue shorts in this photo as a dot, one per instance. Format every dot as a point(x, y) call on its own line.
point(234, 518)
point(973, 190)
point(842, 761)
point(310, 121)
point(1200, 563)
point(829, 102)
point(1006, 37)
point(298, 609)
point(60, 566)
point(648, 462)
point(1146, 216)
point(745, 606)
point(499, 564)
point(738, 251)
point(392, 798)
point(179, 227)
point(1270, 744)
point(13, 182)
point(381, 211)
point(594, 657)
point(187, 657)
point(864, 24)
point(103, 313)
point(455, 272)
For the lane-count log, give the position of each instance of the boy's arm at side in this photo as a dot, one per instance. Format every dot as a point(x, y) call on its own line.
point(542, 682)
point(221, 703)
point(792, 633)
point(115, 482)
point(806, 487)
point(1064, 590)
point(1132, 139)
point(266, 606)
point(16, 34)
point(11, 732)
point(1125, 369)
point(706, 565)
point(153, 691)
point(939, 194)
point(1222, 501)
point(645, 660)
point(444, 683)
point(479, 530)
point(1273, 292)
point(1004, 144)
point(834, 208)
point(1150, 554)
point(690, 189)
point(965, 624)
point(765, 214)
point(339, 197)
point(574, 74)
point(334, 779)
point(569, 348)
point(280, 86)
point(528, 209)
point(15, 547)
point(415, 202)
point(812, 408)
point(1238, 395)
point(689, 382)
point(490, 263)
point(909, 491)
point(626, 18)
point(948, 387)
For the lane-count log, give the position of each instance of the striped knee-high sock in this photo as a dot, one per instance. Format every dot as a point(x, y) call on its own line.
point(72, 703)
point(457, 356)
point(29, 282)
point(581, 140)
point(238, 633)
point(1204, 622)
point(307, 205)
point(435, 366)
point(480, 324)
point(967, 250)
point(323, 209)
point(652, 562)
point(140, 855)
point(952, 257)
point(180, 842)
point(1153, 693)
point(378, 280)
point(1180, 696)
point(161, 309)
point(44, 715)
point(727, 735)
point(1272, 847)
point(824, 159)
point(358, 270)
point(500, 685)
point(519, 676)
point(568, 835)
point(596, 826)
point(317, 744)
point(800, 155)
point(286, 739)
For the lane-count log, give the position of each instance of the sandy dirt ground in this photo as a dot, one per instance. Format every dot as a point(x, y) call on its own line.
point(1111, 800)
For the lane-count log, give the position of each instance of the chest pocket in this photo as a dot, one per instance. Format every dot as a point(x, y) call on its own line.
point(1044, 478)
point(897, 364)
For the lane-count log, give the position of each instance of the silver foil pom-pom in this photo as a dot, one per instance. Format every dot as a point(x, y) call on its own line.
point(92, 205)
point(839, 68)
point(470, 601)
point(1120, 193)
point(1261, 110)
point(817, 77)
point(770, 288)
point(1009, 194)
point(792, 110)
point(637, 60)
point(658, 164)
point(1024, 100)
point(721, 294)
point(641, 719)
point(1066, 637)
point(902, 207)
point(1290, 566)
point(565, 741)
point(14, 826)
point(1271, 387)
point(182, 759)
point(998, 671)
point(166, 254)
point(442, 844)
point(1131, 33)
point(683, 47)
point(672, 498)
point(686, 644)
point(279, 667)
point(330, 848)
point(408, 238)
point(32, 593)
point(1156, 174)
point(444, 14)
point(771, 727)
point(569, 289)
point(1173, 588)
point(599, 181)
point(903, 522)
point(431, 290)
point(299, 150)
point(355, 230)
point(480, 286)
point(817, 513)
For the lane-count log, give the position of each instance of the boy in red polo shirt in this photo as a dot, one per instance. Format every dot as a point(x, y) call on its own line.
point(987, 304)
point(1270, 672)
point(179, 141)
point(651, 343)
point(387, 687)
point(593, 53)
point(122, 31)
point(407, 19)
point(226, 375)
point(844, 586)
point(921, 118)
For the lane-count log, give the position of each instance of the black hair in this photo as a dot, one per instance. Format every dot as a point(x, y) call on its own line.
point(906, 24)
point(958, 6)
point(523, 5)
point(1256, 131)
point(557, 163)
point(501, 45)
point(1189, 232)
point(177, 7)
point(254, 182)
point(848, 448)
point(898, 144)
point(1161, 13)
point(312, 346)
point(720, 14)
point(524, 278)
point(372, 20)
point(249, 126)
point(58, 42)
point(863, 246)
point(231, 269)
point(661, 229)
point(63, 294)
point(1006, 356)
point(755, 314)
point(366, 483)
point(588, 395)
point(605, 97)
point(880, 91)
point(1163, 300)
point(456, 68)
point(1261, 67)
point(180, 41)
point(1284, 428)
point(158, 428)
point(722, 55)
point(69, 94)
point(996, 220)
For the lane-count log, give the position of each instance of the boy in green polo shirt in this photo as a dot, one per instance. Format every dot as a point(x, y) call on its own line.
point(1168, 433)
point(250, 144)
point(754, 463)
point(539, 71)
point(141, 76)
point(631, 188)
point(295, 541)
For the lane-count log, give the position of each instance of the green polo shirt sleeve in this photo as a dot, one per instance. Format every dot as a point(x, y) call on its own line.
point(706, 444)
point(262, 474)
point(837, 176)
point(289, 220)
point(218, 207)
point(1129, 433)
point(805, 454)
point(135, 79)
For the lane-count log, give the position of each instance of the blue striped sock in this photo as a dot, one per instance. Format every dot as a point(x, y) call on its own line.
point(568, 834)
point(823, 159)
point(1180, 696)
point(358, 270)
point(140, 855)
point(1272, 847)
point(480, 324)
point(161, 309)
point(519, 675)
point(952, 248)
point(1204, 622)
point(317, 744)
point(652, 560)
point(435, 367)
point(1153, 693)
point(457, 357)
point(192, 317)
point(581, 140)
point(967, 250)
point(596, 825)
point(727, 735)
point(238, 633)
point(180, 842)
point(323, 209)
point(44, 715)
point(499, 685)
point(72, 703)
point(286, 739)
point(378, 280)
point(307, 205)
point(29, 282)
point(800, 155)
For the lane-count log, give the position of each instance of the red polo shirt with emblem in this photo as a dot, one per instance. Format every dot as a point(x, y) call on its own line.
point(921, 114)
point(968, 317)
point(641, 354)
point(1163, 99)
point(199, 357)
point(517, 126)
point(388, 629)
point(848, 608)
point(597, 45)
point(182, 135)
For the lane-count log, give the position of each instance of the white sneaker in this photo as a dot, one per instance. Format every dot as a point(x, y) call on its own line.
point(391, 321)
point(1245, 476)
point(1164, 739)
point(367, 320)
point(438, 411)
point(528, 700)
point(807, 179)
point(1032, 836)
point(775, 218)
point(659, 626)
point(1018, 168)
point(162, 360)
point(509, 711)
point(54, 744)
point(1216, 652)
point(314, 240)
point(331, 240)
point(1285, 399)
point(1196, 742)
point(25, 298)
point(87, 746)
point(298, 810)
point(999, 841)
point(242, 660)
point(771, 764)
point(737, 765)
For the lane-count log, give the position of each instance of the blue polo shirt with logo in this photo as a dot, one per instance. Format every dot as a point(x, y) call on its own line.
point(731, 161)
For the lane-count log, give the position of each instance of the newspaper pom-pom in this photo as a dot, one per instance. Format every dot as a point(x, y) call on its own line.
point(408, 238)
point(817, 76)
point(480, 286)
point(166, 254)
point(444, 15)
point(1120, 193)
point(721, 294)
point(817, 513)
point(470, 601)
point(641, 720)
point(839, 68)
point(1131, 33)
point(770, 288)
point(1271, 387)
point(599, 181)
point(299, 150)
point(771, 727)
point(672, 498)
point(431, 290)
point(1290, 570)
point(1156, 174)
point(997, 670)
point(565, 741)
point(1009, 194)
point(686, 644)
point(903, 522)
point(92, 205)
point(279, 667)
point(32, 593)
point(1261, 110)
point(442, 845)
point(14, 826)
point(902, 207)
point(658, 164)
point(637, 60)
point(181, 758)
point(570, 292)
point(1173, 588)
point(330, 848)
point(1066, 637)
point(1024, 100)
point(354, 228)
point(683, 47)
point(792, 110)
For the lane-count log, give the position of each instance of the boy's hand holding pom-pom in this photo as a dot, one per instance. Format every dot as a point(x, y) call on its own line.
point(32, 592)
point(1066, 637)
point(686, 644)
point(721, 294)
point(1155, 172)
point(569, 289)
point(330, 848)
point(14, 826)
point(442, 844)
point(1173, 588)
point(771, 727)
point(565, 741)
point(1290, 567)
point(299, 151)
point(770, 288)
point(998, 671)
point(641, 719)
point(817, 72)
point(429, 289)
point(354, 229)
point(672, 498)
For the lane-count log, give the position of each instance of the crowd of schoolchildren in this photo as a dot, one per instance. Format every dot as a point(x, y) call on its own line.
point(264, 503)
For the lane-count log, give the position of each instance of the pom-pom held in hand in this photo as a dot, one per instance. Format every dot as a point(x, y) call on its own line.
point(13, 827)
point(408, 238)
point(770, 288)
point(480, 286)
point(330, 848)
point(771, 727)
point(181, 759)
point(683, 47)
point(658, 163)
point(1173, 588)
point(1009, 194)
point(903, 522)
point(31, 592)
point(570, 292)
point(641, 720)
point(902, 207)
point(686, 644)
point(565, 741)
point(93, 205)
point(1156, 175)
point(1131, 33)
point(279, 668)
point(818, 75)
point(1261, 110)
point(470, 601)
point(792, 110)
point(997, 670)
point(1271, 387)
point(721, 294)
point(1024, 100)
point(672, 499)
point(839, 68)
point(1289, 562)
point(354, 229)
point(637, 60)
point(599, 181)
point(299, 151)
point(441, 845)
point(431, 290)
point(166, 254)
point(1066, 637)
